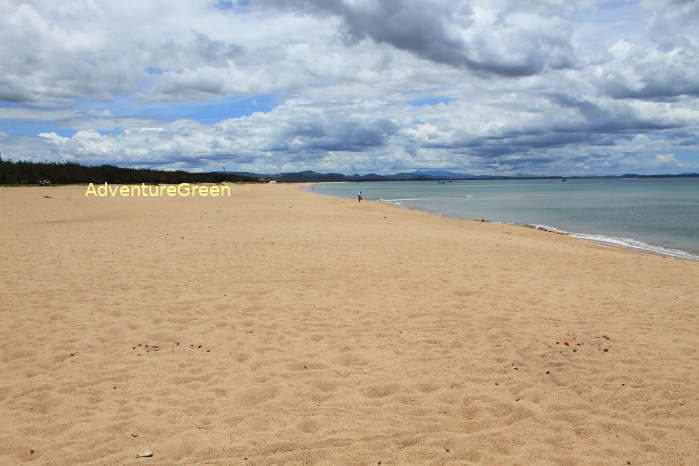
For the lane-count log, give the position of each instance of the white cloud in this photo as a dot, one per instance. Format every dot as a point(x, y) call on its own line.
point(544, 135)
point(538, 86)
point(669, 162)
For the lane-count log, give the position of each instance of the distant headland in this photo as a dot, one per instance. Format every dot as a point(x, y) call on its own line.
point(23, 172)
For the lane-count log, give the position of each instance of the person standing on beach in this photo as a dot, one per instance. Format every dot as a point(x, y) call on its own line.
point(359, 196)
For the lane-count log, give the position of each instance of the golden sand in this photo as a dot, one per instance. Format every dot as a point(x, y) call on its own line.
point(278, 326)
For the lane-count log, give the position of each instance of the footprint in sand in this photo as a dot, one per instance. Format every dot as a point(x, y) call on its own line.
point(381, 391)
point(308, 426)
point(257, 395)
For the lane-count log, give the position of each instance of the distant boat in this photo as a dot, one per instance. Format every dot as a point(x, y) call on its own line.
point(564, 179)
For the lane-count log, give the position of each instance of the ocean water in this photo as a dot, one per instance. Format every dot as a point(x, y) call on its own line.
point(658, 215)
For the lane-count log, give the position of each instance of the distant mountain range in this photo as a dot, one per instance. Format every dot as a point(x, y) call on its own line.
point(22, 172)
point(426, 175)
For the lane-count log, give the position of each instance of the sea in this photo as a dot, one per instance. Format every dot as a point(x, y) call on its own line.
point(655, 215)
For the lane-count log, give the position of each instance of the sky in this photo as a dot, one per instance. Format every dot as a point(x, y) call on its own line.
point(501, 87)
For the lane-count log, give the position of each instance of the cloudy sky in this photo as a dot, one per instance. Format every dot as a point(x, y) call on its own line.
point(353, 86)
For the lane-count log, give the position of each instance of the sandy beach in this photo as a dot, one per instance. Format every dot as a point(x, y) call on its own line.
point(277, 326)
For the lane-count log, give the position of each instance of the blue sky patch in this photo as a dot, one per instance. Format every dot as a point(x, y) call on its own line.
point(430, 101)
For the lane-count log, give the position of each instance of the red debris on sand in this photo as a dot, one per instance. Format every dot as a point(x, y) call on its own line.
point(606, 337)
point(566, 343)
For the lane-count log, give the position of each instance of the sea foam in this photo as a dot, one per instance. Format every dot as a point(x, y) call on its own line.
point(627, 243)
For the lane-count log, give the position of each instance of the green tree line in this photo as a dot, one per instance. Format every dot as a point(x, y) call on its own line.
point(65, 173)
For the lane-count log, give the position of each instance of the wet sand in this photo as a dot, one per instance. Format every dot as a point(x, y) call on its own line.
point(280, 326)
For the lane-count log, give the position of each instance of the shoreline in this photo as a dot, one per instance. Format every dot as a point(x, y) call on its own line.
point(616, 242)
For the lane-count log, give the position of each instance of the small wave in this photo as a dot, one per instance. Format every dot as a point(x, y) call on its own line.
point(630, 243)
point(551, 229)
point(627, 243)
point(398, 200)
point(427, 199)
